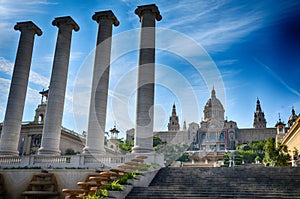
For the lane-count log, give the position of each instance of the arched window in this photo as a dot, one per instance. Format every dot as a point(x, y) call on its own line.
point(212, 136)
point(222, 137)
point(203, 137)
point(41, 118)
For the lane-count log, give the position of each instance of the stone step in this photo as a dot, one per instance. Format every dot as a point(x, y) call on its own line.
point(217, 194)
point(262, 182)
point(42, 185)
point(211, 197)
point(194, 192)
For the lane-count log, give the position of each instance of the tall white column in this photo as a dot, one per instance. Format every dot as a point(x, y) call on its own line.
point(143, 137)
point(98, 101)
point(15, 106)
point(57, 89)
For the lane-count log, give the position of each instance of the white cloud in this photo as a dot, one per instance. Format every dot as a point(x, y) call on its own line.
point(214, 24)
point(226, 62)
point(4, 88)
point(38, 79)
point(6, 67)
point(40, 2)
point(32, 96)
point(18, 10)
point(203, 8)
point(76, 56)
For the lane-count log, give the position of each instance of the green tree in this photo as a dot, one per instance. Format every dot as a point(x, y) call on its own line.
point(250, 151)
point(283, 157)
point(156, 141)
point(237, 160)
point(275, 156)
point(184, 158)
point(226, 160)
point(125, 145)
point(257, 159)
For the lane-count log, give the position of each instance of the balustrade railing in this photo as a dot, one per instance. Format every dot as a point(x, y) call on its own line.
point(105, 159)
point(6, 160)
point(52, 159)
point(70, 161)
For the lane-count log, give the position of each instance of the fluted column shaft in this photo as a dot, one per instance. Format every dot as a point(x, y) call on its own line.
point(16, 100)
point(100, 82)
point(55, 105)
point(143, 138)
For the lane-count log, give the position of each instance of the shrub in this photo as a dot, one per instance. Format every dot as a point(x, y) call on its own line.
point(123, 180)
point(114, 186)
point(131, 175)
point(100, 194)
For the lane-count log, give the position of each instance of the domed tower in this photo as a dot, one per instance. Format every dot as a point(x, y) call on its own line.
point(173, 124)
point(292, 118)
point(214, 112)
point(259, 117)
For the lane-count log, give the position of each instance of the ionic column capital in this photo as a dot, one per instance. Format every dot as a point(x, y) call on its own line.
point(152, 8)
point(59, 21)
point(106, 15)
point(28, 26)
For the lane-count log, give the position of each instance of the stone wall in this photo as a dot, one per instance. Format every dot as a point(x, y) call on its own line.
point(246, 135)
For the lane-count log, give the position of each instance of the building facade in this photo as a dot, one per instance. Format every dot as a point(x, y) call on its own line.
point(291, 138)
point(214, 135)
point(32, 132)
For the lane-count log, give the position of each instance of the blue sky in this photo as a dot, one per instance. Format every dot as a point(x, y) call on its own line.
point(245, 49)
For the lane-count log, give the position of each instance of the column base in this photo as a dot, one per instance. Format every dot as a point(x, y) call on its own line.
point(9, 153)
point(89, 151)
point(50, 152)
point(138, 149)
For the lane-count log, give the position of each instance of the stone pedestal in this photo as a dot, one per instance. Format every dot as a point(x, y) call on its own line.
point(98, 101)
point(15, 106)
point(57, 89)
point(143, 138)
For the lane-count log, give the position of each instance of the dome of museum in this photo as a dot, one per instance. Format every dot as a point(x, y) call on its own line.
point(213, 108)
point(214, 101)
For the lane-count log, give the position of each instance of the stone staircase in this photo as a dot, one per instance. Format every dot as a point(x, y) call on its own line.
point(42, 185)
point(238, 182)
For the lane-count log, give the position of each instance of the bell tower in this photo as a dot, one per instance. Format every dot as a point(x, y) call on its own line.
point(40, 112)
point(292, 118)
point(259, 117)
point(280, 126)
point(173, 124)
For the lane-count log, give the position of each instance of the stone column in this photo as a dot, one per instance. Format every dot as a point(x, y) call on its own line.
point(56, 98)
point(143, 137)
point(98, 101)
point(16, 99)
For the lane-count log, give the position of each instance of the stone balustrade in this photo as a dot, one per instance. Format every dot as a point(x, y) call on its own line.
point(68, 161)
point(11, 160)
